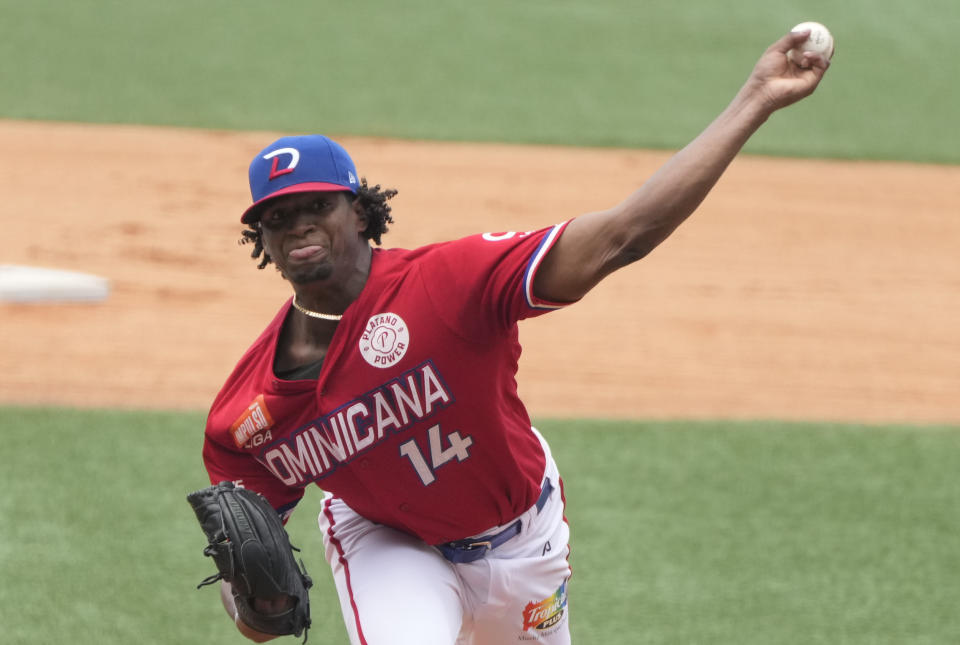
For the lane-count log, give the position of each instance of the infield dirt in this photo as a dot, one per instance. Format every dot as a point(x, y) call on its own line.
point(820, 290)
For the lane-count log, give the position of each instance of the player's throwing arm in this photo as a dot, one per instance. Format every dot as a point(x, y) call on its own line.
point(595, 245)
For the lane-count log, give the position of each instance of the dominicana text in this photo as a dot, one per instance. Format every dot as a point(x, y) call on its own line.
point(317, 449)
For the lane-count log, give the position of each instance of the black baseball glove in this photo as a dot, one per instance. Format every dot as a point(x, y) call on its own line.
point(253, 553)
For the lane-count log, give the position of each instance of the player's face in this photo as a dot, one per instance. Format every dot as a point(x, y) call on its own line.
point(312, 236)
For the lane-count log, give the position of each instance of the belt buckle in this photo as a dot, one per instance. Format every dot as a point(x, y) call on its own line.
point(476, 545)
point(461, 553)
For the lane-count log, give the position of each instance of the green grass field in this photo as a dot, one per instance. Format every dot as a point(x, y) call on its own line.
point(606, 72)
point(748, 533)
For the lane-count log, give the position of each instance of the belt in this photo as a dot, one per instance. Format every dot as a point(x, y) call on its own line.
point(472, 549)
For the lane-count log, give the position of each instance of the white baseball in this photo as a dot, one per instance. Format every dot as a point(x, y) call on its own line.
point(820, 42)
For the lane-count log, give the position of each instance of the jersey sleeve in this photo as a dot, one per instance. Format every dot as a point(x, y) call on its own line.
point(488, 279)
point(226, 464)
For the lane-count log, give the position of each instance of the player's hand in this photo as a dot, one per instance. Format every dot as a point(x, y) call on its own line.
point(251, 633)
point(777, 82)
point(268, 607)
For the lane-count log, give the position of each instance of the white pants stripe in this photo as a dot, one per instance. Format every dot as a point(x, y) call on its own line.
point(331, 541)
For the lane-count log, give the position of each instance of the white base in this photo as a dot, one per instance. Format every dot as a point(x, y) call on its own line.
point(33, 284)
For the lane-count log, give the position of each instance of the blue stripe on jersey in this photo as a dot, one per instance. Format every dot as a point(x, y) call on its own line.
point(545, 245)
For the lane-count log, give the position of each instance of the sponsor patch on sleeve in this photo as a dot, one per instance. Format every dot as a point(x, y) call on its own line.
point(254, 419)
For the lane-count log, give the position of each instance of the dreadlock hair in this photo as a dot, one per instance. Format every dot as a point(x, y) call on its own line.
point(373, 202)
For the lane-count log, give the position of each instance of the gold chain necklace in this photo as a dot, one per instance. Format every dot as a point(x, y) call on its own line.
point(315, 314)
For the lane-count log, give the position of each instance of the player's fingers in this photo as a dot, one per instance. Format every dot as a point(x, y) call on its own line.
point(810, 61)
point(789, 41)
point(808, 79)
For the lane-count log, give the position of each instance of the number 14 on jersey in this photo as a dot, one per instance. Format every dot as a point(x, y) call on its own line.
point(456, 448)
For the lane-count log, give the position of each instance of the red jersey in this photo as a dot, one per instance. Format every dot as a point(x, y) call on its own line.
point(414, 420)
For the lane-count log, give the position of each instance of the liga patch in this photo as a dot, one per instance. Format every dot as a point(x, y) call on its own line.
point(547, 613)
point(385, 340)
point(254, 419)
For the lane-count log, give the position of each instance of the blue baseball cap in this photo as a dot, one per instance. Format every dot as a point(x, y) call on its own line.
point(303, 164)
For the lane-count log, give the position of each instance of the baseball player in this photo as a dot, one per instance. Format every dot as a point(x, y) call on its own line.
point(387, 380)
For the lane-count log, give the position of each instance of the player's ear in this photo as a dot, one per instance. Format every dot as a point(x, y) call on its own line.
point(358, 210)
